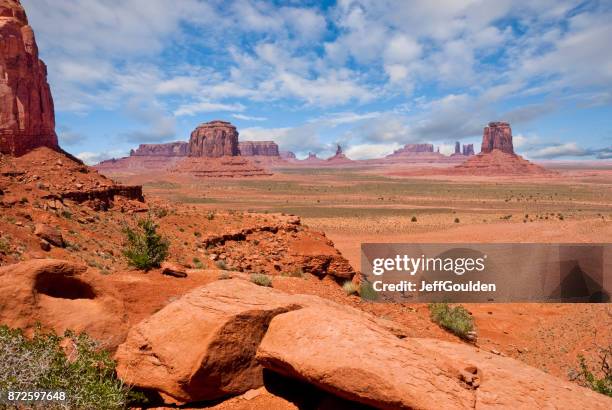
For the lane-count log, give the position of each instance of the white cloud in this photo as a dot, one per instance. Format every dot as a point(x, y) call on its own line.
point(368, 151)
point(570, 149)
point(92, 158)
point(248, 117)
point(206, 106)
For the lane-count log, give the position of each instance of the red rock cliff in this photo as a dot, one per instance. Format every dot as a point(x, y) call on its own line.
point(27, 118)
point(264, 148)
point(409, 149)
point(171, 149)
point(214, 139)
point(498, 135)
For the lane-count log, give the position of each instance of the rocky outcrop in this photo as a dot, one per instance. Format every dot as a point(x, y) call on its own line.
point(60, 295)
point(339, 156)
point(225, 337)
point(410, 149)
point(497, 156)
point(258, 148)
point(214, 139)
point(468, 150)
point(171, 149)
point(27, 118)
point(287, 155)
point(457, 148)
point(498, 135)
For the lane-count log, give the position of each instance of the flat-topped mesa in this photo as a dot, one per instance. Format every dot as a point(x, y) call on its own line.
point(413, 149)
point(27, 118)
point(171, 149)
point(258, 148)
point(214, 139)
point(498, 135)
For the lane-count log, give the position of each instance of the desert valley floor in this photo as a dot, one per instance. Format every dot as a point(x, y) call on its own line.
point(354, 205)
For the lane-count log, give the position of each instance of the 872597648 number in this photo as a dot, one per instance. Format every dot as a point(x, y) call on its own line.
point(16, 397)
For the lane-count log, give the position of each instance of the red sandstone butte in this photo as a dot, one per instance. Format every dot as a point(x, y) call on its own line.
point(214, 139)
point(171, 149)
point(258, 148)
point(498, 135)
point(27, 118)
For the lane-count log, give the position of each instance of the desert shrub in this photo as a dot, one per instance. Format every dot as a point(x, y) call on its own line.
point(455, 319)
point(367, 292)
point(587, 378)
point(457, 220)
point(221, 265)
point(197, 263)
point(210, 215)
point(350, 288)
point(197, 234)
point(66, 214)
point(413, 219)
point(224, 276)
point(145, 249)
point(5, 246)
point(261, 279)
point(295, 273)
point(87, 376)
point(160, 212)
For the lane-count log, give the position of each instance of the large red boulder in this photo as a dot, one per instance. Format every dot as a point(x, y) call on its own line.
point(27, 118)
point(214, 139)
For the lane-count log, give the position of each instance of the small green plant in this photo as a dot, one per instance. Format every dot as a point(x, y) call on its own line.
point(350, 288)
point(5, 246)
point(588, 379)
point(66, 214)
point(455, 319)
point(145, 249)
point(221, 265)
point(210, 215)
point(86, 374)
point(261, 279)
point(197, 263)
point(160, 212)
point(413, 219)
point(367, 292)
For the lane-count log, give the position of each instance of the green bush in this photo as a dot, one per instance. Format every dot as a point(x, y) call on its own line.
point(145, 249)
point(295, 273)
point(350, 288)
point(221, 265)
point(261, 279)
point(588, 379)
point(87, 377)
point(455, 319)
point(197, 263)
point(367, 292)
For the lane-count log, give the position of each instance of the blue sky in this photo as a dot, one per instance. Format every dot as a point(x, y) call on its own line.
point(371, 75)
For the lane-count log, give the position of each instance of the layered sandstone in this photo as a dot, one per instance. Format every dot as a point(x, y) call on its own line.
point(410, 149)
point(27, 118)
point(171, 149)
point(214, 139)
point(258, 148)
point(498, 135)
point(287, 155)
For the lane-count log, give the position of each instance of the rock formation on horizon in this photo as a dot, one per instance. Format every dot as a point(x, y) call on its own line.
point(27, 118)
point(497, 156)
point(339, 155)
point(258, 148)
point(287, 155)
point(170, 149)
point(457, 148)
point(497, 135)
point(468, 150)
point(411, 149)
point(214, 139)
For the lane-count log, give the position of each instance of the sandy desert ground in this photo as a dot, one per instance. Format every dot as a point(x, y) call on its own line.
point(356, 205)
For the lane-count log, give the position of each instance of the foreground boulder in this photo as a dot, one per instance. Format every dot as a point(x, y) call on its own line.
point(202, 346)
point(357, 360)
point(60, 295)
point(27, 118)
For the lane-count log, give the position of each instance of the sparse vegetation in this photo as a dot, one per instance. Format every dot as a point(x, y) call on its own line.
point(197, 263)
point(224, 276)
point(5, 246)
point(210, 215)
point(455, 319)
point(261, 279)
point(367, 292)
point(145, 249)
point(588, 378)
point(457, 220)
point(221, 265)
point(413, 219)
point(295, 273)
point(87, 375)
point(350, 288)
